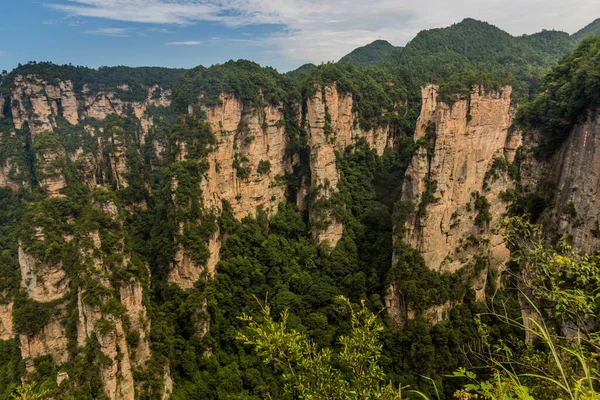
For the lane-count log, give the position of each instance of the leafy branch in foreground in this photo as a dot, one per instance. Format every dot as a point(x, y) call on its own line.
point(312, 373)
point(559, 285)
point(563, 368)
point(29, 392)
point(566, 281)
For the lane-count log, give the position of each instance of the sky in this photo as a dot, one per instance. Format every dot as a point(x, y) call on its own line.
point(280, 33)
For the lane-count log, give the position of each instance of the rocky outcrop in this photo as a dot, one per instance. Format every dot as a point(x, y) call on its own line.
point(455, 181)
point(51, 340)
point(463, 158)
point(244, 168)
point(42, 282)
point(570, 181)
point(167, 384)
point(333, 126)
point(5, 177)
point(116, 371)
point(185, 272)
point(6, 321)
point(51, 175)
point(38, 103)
point(132, 298)
point(249, 154)
point(87, 318)
point(101, 104)
point(117, 375)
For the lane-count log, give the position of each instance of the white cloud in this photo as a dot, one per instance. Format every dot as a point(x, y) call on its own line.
point(159, 30)
point(318, 30)
point(117, 32)
point(217, 39)
point(185, 43)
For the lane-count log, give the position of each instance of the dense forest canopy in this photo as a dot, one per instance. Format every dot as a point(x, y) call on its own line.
point(103, 78)
point(569, 91)
point(371, 54)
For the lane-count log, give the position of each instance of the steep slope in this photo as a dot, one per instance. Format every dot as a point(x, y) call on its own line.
point(591, 29)
point(130, 196)
point(455, 184)
point(560, 174)
point(139, 220)
point(82, 287)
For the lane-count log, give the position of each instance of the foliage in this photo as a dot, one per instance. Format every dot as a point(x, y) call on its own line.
point(368, 55)
point(310, 372)
point(264, 167)
point(472, 53)
point(482, 206)
point(101, 79)
point(569, 90)
point(248, 81)
point(29, 392)
point(30, 316)
point(161, 211)
point(11, 367)
point(378, 95)
point(591, 29)
point(301, 72)
point(566, 280)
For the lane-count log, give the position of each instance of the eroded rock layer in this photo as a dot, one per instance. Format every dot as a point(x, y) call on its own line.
point(569, 181)
point(332, 126)
point(455, 181)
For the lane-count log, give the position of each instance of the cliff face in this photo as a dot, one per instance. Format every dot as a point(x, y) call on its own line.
point(246, 166)
point(249, 142)
point(71, 137)
point(332, 126)
point(570, 182)
point(455, 180)
point(467, 139)
point(39, 104)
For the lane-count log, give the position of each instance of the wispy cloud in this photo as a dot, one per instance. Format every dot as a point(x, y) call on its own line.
point(117, 32)
point(318, 30)
point(249, 42)
point(185, 43)
point(159, 30)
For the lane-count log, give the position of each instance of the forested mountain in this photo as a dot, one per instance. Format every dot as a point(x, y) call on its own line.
point(591, 29)
point(371, 54)
point(147, 214)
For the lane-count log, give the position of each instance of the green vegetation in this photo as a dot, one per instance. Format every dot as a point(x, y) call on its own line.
point(118, 226)
point(264, 167)
point(569, 91)
point(368, 55)
point(250, 82)
point(591, 29)
point(29, 392)
point(482, 206)
point(310, 372)
point(31, 316)
point(474, 52)
point(102, 79)
point(379, 96)
point(301, 72)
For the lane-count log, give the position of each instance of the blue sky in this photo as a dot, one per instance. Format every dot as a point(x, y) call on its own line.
point(280, 33)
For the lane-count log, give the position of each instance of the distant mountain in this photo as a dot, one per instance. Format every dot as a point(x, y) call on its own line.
point(593, 28)
point(301, 71)
point(471, 41)
point(370, 54)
